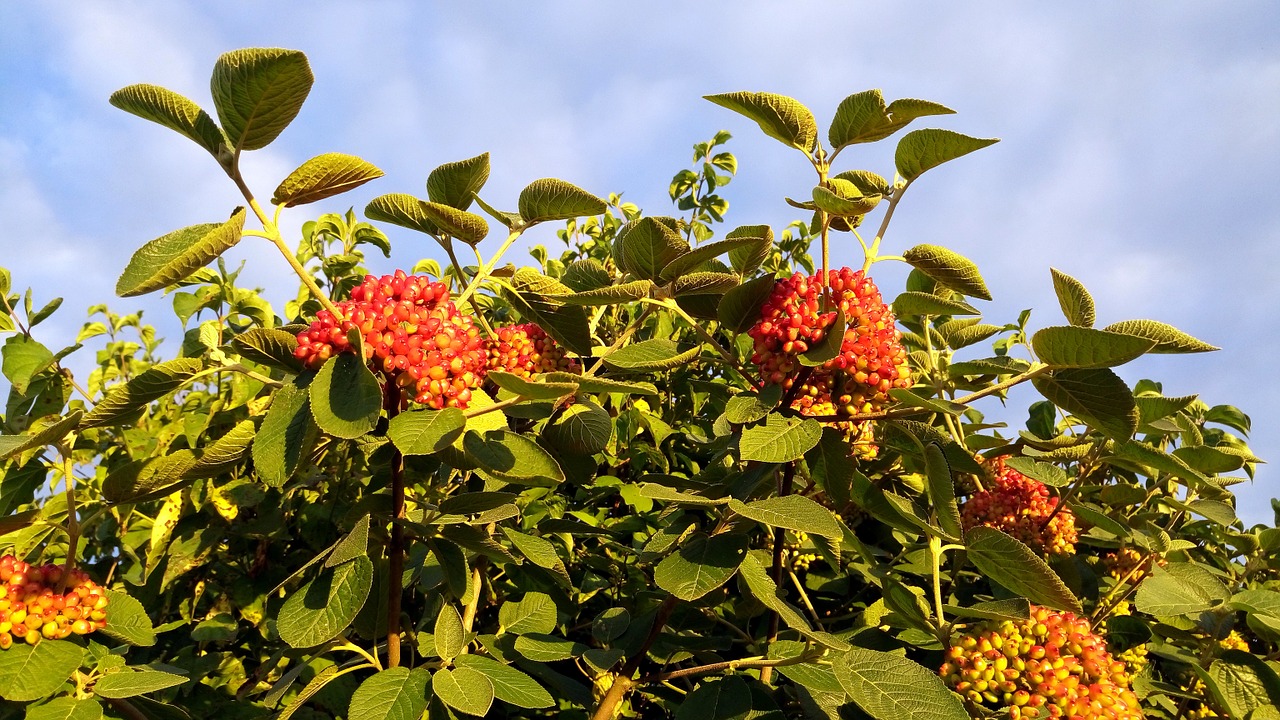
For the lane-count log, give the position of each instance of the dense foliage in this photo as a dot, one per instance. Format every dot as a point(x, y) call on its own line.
point(669, 471)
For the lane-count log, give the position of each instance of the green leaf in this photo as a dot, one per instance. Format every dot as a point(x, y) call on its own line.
point(1245, 683)
point(1098, 397)
point(464, 689)
point(423, 432)
point(512, 457)
point(1076, 302)
point(393, 694)
point(832, 466)
point(539, 300)
point(456, 183)
point(269, 346)
point(11, 445)
point(750, 407)
point(583, 275)
point(863, 117)
point(509, 684)
point(829, 346)
point(24, 358)
point(1069, 346)
point(552, 199)
point(467, 227)
point(475, 502)
point(793, 512)
point(532, 390)
point(1158, 461)
point(258, 92)
point(29, 673)
point(158, 380)
point(546, 648)
point(764, 590)
point(704, 283)
point(921, 150)
point(1183, 590)
point(584, 428)
point(1168, 339)
point(747, 259)
point(781, 439)
point(647, 246)
point(1047, 473)
point(174, 111)
point(602, 385)
point(324, 176)
point(702, 564)
point(740, 307)
point(1265, 602)
point(170, 258)
point(226, 453)
point(281, 442)
point(65, 708)
point(888, 686)
point(610, 294)
point(1015, 609)
point(403, 210)
point(450, 637)
point(910, 304)
point(353, 545)
point(780, 117)
point(1007, 561)
point(842, 198)
point(726, 698)
point(345, 397)
point(128, 683)
point(534, 613)
point(129, 621)
point(651, 356)
point(539, 551)
point(948, 268)
point(942, 491)
point(323, 608)
point(691, 260)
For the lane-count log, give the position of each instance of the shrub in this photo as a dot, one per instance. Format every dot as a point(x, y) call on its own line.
point(675, 471)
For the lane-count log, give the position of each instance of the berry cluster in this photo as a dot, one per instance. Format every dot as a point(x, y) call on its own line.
point(33, 608)
point(1126, 560)
point(1020, 506)
point(871, 361)
point(1049, 666)
point(527, 349)
point(413, 333)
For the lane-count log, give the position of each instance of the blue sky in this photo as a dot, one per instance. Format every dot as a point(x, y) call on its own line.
point(1139, 148)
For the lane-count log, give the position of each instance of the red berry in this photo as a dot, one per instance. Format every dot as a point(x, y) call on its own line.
point(1019, 506)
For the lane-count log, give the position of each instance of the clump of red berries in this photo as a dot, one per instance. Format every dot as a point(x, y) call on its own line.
point(39, 602)
point(795, 319)
point(527, 349)
point(1049, 666)
point(1021, 507)
point(413, 334)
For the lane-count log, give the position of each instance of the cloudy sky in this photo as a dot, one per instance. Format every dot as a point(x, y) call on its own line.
point(1140, 141)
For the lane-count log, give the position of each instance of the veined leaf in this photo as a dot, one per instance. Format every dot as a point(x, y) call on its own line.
point(456, 183)
point(1098, 397)
point(467, 227)
point(863, 117)
point(948, 268)
point(793, 512)
point(324, 176)
point(942, 491)
point(464, 689)
point(780, 117)
point(888, 686)
point(921, 150)
point(170, 258)
point(1007, 561)
point(650, 356)
point(403, 210)
point(423, 432)
point(29, 673)
point(702, 564)
point(345, 397)
point(746, 260)
point(704, 283)
point(393, 694)
point(258, 92)
point(910, 304)
point(1076, 302)
point(610, 294)
point(11, 445)
point(1069, 346)
point(324, 607)
point(158, 380)
point(552, 199)
point(780, 439)
point(174, 111)
point(740, 307)
point(513, 457)
point(691, 260)
point(646, 246)
point(1168, 339)
point(269, 346)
